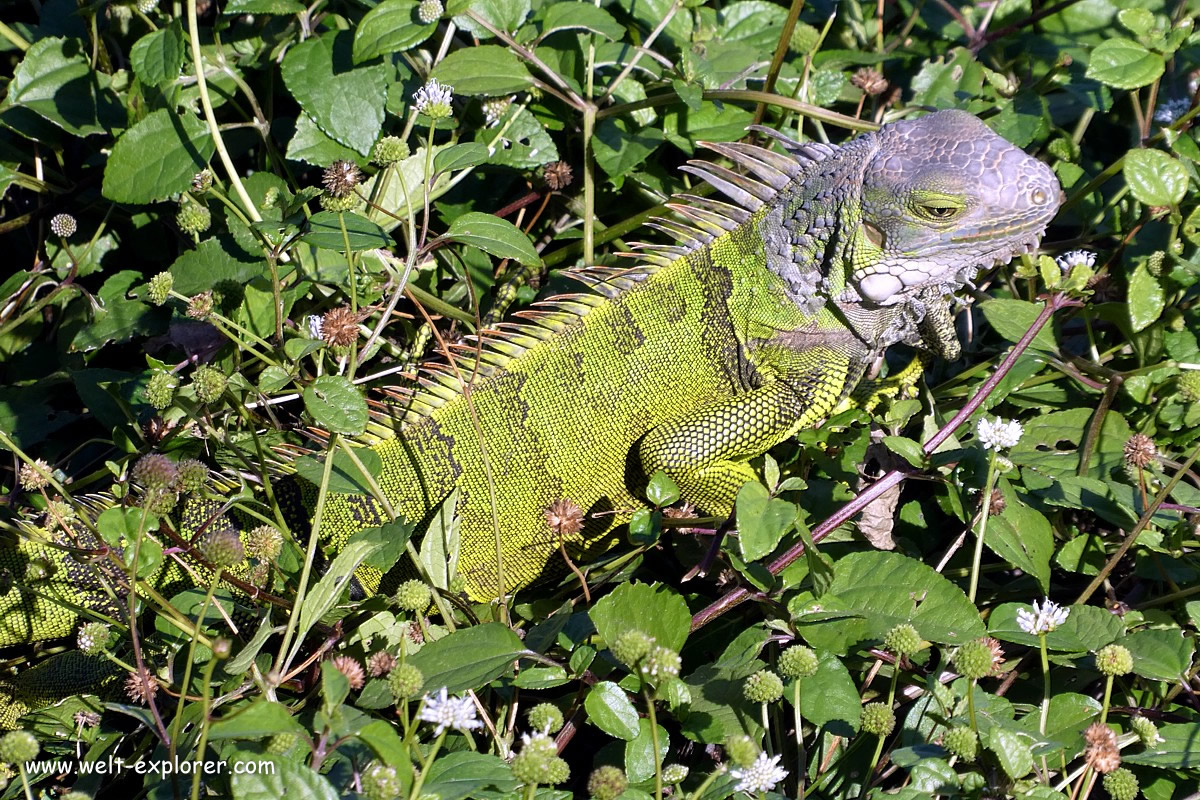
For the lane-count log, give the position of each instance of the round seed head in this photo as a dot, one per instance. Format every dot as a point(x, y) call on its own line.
point(557, 175)
point(1121, 784)
point(902, 640)
point(338, 205)
point(263, 543)
point(674, 773)
point(18, 746)
point(140, 686)
point(1146, 730)
point(798, 661)
point(193, 475)
point(1140, 451)
point(1102, 752)
point(870, 80)
point(565, 517)
point(63, 225)
point(742, 750)
point(973, 659)
point(962, 742)
point(405, 681)
point(381, 782)
point(1189, 386)
point(545, 717)
point(340, 178)
point(159, 288)
point(202, 181)
point(532, 765)
point(429, 11)
point(389, 150)
point(414, 595)
point(155, 471)
point(339, 327)
point(1114, 660)
point(33, 476)
point(763, 686)
point(661, 662)
point(877, 718)
point(380, 664)
point(222, 548)
point(92, 638)
point(632, 646)
point(200, 306)
point(193, 218)
point(349, 666)
point(160, 389)
point(208, 383)
point(280, 743)
point(607, 783)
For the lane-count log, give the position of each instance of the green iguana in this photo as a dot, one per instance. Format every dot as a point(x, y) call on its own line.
point(706, 353)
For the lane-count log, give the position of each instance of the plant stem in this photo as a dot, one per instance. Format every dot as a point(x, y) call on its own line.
point(187, 670)
point(1045, 683)
point(971, 706)
point(801, 758)
point(1107, 696)
point(206, 699)
point(420, 781)
point(989, 486)
point(658, 784)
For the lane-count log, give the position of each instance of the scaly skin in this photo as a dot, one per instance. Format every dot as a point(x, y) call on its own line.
point(759, 324)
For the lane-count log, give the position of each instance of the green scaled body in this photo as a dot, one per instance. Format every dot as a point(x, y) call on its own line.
point(763, 318)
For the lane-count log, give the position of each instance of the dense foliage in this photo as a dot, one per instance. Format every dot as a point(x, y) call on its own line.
point(226, 225)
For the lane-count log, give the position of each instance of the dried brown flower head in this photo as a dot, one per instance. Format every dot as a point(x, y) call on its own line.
point(340, 178)
point(200, 306)
point(349, 666)
point(997, 654)
point(380, 664)
point(86, 719)
point(1102, 753)
point(1140, 451)
point(557, 175)
point(870, 80)
point(141, 686)
point(685, 511)
point(998, 503)
point(564, 517)
point(339, 327)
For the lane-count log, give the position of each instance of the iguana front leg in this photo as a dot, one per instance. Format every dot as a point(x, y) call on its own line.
point(705, 453)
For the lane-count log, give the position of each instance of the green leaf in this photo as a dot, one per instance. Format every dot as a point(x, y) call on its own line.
point(1086, 628)
point(1124, 64)
point(263, 7)
point(639, 752)
point(523, 142)
point(157, 158)
point(652, 608)
point(661, 491)
point(618, 149)
point(762, 520)
point(255, 720)
point(267, 777)
point(830, 696)
point(1012, 318)
point(1069, 716)
point(486, 69)
point(580, 16)
point(390, 27)
point(325, 230)
point(1022, 536)
point(457, 776)
point(1146, 298)
point(441, 544)
point(460, 156)
point(1137, 21)
point(310, 145)
point(610, 709)
point(344, 477)
point(120, 317)
point(336, 405)
point(1154, 177)
point(212, 262)
point(324, 595)
point(469, 658)
point(55, 81)
point(1180, 748)
point(1012, 751)
point(158, 56)
point(345, 101)
point(1160, 654)
point(382, 737)
point(493, 235)
point(888, 589)
point(906, 448)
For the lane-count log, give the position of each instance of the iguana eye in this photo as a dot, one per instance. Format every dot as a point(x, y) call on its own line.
point(940, 212)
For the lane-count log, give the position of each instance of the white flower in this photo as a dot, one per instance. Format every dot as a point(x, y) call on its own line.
point(1075, 258)
point(1044, 619)
point(1172, 110)
point(314, 326)
point(493, 110)
point(449, 712)
point(433, 99)
point(1000, 434)
point(761, 776)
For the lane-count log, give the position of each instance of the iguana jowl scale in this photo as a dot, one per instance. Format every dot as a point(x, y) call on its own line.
point(706, 353)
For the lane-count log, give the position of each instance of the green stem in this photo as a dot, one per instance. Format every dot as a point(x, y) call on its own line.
point(971, 706)
point(25, 780)
point(1045, 684)
point(211, 118)
point(420, 781)
point(589, 186)
point(716, 773)
point(1108, 684)
point(205, 699)
point(284, 659)
point(801, 758)
point(658, 783)
point(187, 670)
point(989, 486)
point(766, 723)
point(17, 40)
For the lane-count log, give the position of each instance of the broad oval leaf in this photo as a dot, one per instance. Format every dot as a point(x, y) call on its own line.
point(610, 709)
point(1154, 177)
point(493, 235)
point(336, 404)
point(284, 778)
point(652, 608)
point(487, 69)
point(1124, 64)
point(390, 27)
point(157, 158)
point(325, 230)
point(468, 658)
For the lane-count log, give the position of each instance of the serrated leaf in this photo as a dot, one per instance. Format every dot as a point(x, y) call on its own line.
point(468, 658)
point(311, 145)
point(662, 491)
point(267, 777)
point(336, 405)
point(158, 56)
point(1160, 654)
point(619, 149)
point(1012, 318)
point(580, 16)
point(523, 142)
point(390, 27)
point(460, 156)
point(493, 235)
point(1012, 751)
point(639, 752)
point(55, 81)
point(906, 448)
point(457, 776)
point(1180, 748)
point(1022, 536)
point(119, 317)
point(1124, 64)
point(344, 476)
point(1146, 298)
point(255, 720)
point(212, 262)
point(325, 230)
point(1154, 177)
point(1086, 628)
point(157, 158)
point(762, 520)
point(487, 69)
point(610, 709)
point(652, 608)
point(347, 102)
point(322, 597)
point(831, 696)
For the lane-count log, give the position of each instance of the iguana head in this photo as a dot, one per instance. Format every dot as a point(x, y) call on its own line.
point(942, 196)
